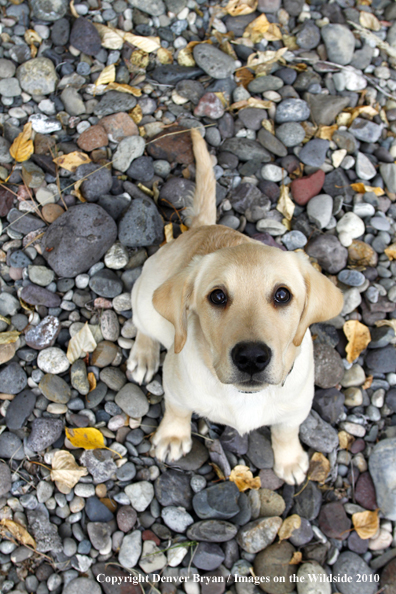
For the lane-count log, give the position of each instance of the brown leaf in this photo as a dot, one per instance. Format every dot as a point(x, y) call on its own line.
point(71, 161)
point(243, 76)
point(32, 37)
point(18, 532)
point(109, 503)
point(260, 29)
point(241, 7)
point(136, 114)
point(285, 204)
point(345, 439)
point(368, 382)
point(289, 525)
point(319, 468)
point(366, 523)
point(326, 132)
point(391, 251)
point(22, 147)
point(65, 471)
point(91, 380)
point(243, 478)
point(124, 88)
point(296, 559)
point(358, 336)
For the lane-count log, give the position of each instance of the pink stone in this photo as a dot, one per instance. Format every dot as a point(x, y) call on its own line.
point(305, 188)
point(210, 106)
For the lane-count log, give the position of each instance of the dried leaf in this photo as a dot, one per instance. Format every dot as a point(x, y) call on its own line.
point(183, 228)
point(168, 230)
point(369, 21)
point(243, 478)
point(136, 114)
point(109, 503)
point(368, 382)
point(285, 204)
point(92, 381)
point(265, 58)
point(88, 438)
point(165, 56)
point(391, 323)
point(366, 523)
point(18, 532)
point(111, 38)
point(296, 559)
point(269, 126)
point(71, 161)
point(147, 44)
point(290, 42)
point(289, 525)
point(356, 112)
point(319, 468)
point(251, 102)
point(326, 132)
point(22, 147)
point(391, 251)
point(243, 76)
point(124, 88)
point(81, 343)
point(345, 439)
point(76, 190)
point(32, 37)
point(139, 59)
point(185, 57)
point(361, 188)
point(241, 7)
point(107, 75)
point(260, 29)
point(65, 471)
point(9, 337)
point(358, 336)
point(4, 319)
point(73, 10)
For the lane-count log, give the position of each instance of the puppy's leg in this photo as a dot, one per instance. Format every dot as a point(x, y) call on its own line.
point(143, 361)
point(291, 461)
point(173, 437)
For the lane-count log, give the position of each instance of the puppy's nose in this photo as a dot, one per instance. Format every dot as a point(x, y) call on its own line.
point(251, 357)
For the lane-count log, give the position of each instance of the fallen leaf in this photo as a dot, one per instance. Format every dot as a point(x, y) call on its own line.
point(220, 474)
point(124, 88)
point(269, 126)
point(289, 525)
point(369, 21)
point(266, 58)
point(71, 161)
point(9, 337)
point(241, 7)
point(185, 57)
point(319, 468)
point(390, 251)
point(92, 381)
point(391, 323)
point(136, 114)
point(73, 10)
point(296, 559)
point(345, 439)
point(326, 132)
point(366, 523)
point(355, 112)
point(147, 44)
point(32, 36)
point(361, 188)
point(358, 336)
point(285, 204)
point(168, 230)
point(76, 190)
point(139, 59)
point(290, 42)
point(260, 29)
point(18, 532)
point(88, 438)
point(107, 75)
point(22, 147)
point(243, 76)
point(183, 228)
point(81, 343)
point(109, 503)
point(111, 38)
point(251, 102)
point(243, 478)
point(65, 471)
point(165, 56)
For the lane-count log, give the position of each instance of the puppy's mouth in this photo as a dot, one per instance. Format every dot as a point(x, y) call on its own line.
point(250, 386)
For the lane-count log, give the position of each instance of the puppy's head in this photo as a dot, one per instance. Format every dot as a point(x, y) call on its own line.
point(254, 305)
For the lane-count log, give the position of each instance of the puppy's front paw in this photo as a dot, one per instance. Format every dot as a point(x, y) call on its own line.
point(292, 466)
point(144, 359)
point(171, 447)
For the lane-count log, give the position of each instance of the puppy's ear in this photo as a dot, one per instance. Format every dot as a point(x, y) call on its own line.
point(172, 300)
point(323, 300)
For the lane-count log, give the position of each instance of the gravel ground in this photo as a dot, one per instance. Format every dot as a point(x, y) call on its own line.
point(297, 103)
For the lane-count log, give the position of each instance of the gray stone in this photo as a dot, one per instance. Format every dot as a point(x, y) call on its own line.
point(141, 225)
point(292, 110)
point(388, 172)
point(11, 446)
point(13, 379)
point(261, 84)
point(365, 130)
point(44, 334)
point(44, 433)
point(294, 240)
point(212, 531)
point(309, 36)
point(246, 149)
point(128, 149)
point(317, 434)
point(382, 465)
point(154, 7)
point(37, 76)
point(349, 564)
point(140, 494)
point(271, 143)
point(290, 134)
point(259, 534)
point(260, 450)
point(331, 255)
point(213, 61)
point(85, 37)
point(7, 68)
point(114, 102)
point(20, 409)
point(82, 585)
point(218, 502)
point(325, 108)
point(132, 401)
point(339, 42)
point(314, 152)
point(9, 87)
point(364, 168)
point(100, 465)
point(319, 210)
point(5, 479)
point(72, 100)
point(176, 518)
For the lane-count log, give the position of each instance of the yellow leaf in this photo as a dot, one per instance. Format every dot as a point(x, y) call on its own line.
point(88, 438)
point(326, 132)
point(290, 42)
point(241, 7)
point(183, 228)
point(22, 147)
point(289, 525)
point(18, 532)
point(76, 190)
point(168, 230)
point(356, 112)
point(107, 75)
point(296, 559)
point(269, 126)
point(243, 478)
point(358, 336)
point(92, 381)
point(369, 20)
point(319, 468)
point(368, 382)
point(345, 439)
point(366, 523)
point(164, 56)
point(147, 44)
point(111, 38)
point(71, 161)
point(65, 471)
point(81, 343)
point(260, 29)
point(9, 337)
point(73, 10)
point(391, 251)
point(266, 58)
point(32, 36)
point(361, 188)
point(285, 204)
point(391, 323)
point(4, 319)
point(185, 57)
point(124, 88)
point(109, 503)
point(136, 114)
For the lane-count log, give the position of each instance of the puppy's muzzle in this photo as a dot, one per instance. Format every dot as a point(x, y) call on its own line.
point(251, 357)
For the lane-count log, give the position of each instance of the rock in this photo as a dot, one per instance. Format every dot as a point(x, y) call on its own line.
point(36, 295)
point(60, 31)
point(132, 401)
point(9, 87)
point(93, 138)
point(305, 188)
point(382, 471)
point(117, 126)
point(314, 152)
point(292, 110)
point(177, 519)
point(329, 403)
point(152, 559)
point(128, 149)
point(388, 172)
point(7, 68)
point(246, 150)
point(100, 465)
point(271, 143)
point(333, 520)
point(37, 76)
point(362, 254)
point(131, 549)
point(308, 502)
point(219, 502)
point(85, 37)
point(13, 379)
point(328, 251)
point(55, 389)
point(99, 535)
point(271, 504)
point(339, 42)
point(53, 360)
point(173, 488)
point(209, 106)
point(213, 61)
point(11, 446)
point(104, 354)
point(44, 334)
point(364, 167)
point(260, 450)
point(170, 74)
point(349, 564)
point(320, 209)
point(154, 7)
point(325, 108)
point(388, 577)
point(273, 564)
point(19, 410)
point(141, 225)
point(78, 239)
point(329, 369)
point(290, 134)
point(44, 433)
point(212, 531)
point(140, 495)
point(195, 458)
point(126, 518)
point(302, 535)
point(114, 102)
point(175, 191)
point(365, 130)
point(337, 184)
point(97, 511)
point(381, 360)
point(351, 225)
point(312, 579)
point(256, 536)
point(261, 84)
point(106, 283)
point(317, 434)
point(172, 147)
point(365, 492)
point(5, 479)
point(208, 556)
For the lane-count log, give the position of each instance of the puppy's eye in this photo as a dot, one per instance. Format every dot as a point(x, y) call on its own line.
point(218, 297)
point(282, 295)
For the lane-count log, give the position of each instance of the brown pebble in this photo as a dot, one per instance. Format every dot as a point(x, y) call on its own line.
point(104, 354)
point(93, 138)
point(43, 144)
point(51, 212)
point(119, 126)
point(362, 254)
point(15, 273)
point(172, 147)
point(101, 490)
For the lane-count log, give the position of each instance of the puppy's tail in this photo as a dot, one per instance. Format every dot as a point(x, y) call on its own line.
point(203, 208)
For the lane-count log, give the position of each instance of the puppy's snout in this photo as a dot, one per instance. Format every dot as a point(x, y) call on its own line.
point(251, 357)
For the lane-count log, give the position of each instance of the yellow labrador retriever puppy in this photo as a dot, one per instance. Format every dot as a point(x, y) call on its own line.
point(233, 315)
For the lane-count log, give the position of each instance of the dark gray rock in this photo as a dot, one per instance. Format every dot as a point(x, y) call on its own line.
point(382, 360)
point(271, 143)
point(260, 450)
point(106, 283)
point(246, 150)
point(208, 556)
point(44, 433)
point(43, 335)
point(11, 446)
point(328, 251)
point(382, 465)
point(97, 511)
point(292, 110)
point(325, 108)
point(213, 61)
point(5, 480)
point(170, 74)
point(314, 152)
point(329, 403)
point(20, 409)
point(212, 531)
point(307, 503)
point(114, 102)
point(329, 368)
point(85, 37)
point(349, 564)
point(141, 225)
point(173, 488)
point(218, 502)
point(36, 295)
point(13, 379)
point(317, 434)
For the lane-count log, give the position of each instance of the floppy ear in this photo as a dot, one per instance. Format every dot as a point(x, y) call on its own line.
point(172, 300)
point(323, 300)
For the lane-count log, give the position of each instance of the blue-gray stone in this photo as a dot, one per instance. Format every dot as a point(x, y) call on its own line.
point(292, 110)
point(353, 278)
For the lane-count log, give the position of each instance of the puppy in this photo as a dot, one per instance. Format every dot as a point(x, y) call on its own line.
point(233, 315)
